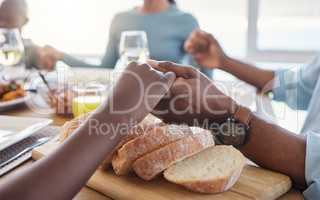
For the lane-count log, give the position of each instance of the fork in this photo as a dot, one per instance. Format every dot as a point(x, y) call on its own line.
point(39, 142)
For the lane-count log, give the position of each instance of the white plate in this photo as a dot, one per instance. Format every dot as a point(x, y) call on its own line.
point(10, 104)
point(15, 129)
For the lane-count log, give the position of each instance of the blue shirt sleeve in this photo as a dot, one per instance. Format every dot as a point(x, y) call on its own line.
point(77, 62)
point(111, 55)
point(188, 58)
point(30, 59)
point(313, 166)
point(295, 86)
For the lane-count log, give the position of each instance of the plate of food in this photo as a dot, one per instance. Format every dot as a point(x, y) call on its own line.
point(12, 93)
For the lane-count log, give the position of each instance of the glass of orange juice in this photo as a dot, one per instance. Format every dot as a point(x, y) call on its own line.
point(87, 98)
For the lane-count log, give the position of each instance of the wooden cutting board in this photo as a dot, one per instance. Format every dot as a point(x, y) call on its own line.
point(254, 183)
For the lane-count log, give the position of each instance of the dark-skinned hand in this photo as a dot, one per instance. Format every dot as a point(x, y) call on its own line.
point(193, 98)
point(205, 49)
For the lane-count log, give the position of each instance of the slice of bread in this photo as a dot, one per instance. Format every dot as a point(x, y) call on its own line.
point(153, 139)
point(149, 166)
point(213, 170)
point(69, 127)
point(147, 124)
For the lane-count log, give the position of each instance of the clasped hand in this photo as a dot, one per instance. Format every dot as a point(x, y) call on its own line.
point(172, 92)
point(192, 98)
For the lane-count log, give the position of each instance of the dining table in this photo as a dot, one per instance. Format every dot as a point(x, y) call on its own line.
point(243, 93)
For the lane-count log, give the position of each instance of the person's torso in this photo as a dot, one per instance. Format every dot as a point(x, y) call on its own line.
point(166, 32)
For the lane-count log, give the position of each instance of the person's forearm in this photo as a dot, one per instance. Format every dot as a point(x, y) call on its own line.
point(277, 149)
point(66, 171)
point(76, 62)
point(259, 78)
point(30, 56)
point(62, 174)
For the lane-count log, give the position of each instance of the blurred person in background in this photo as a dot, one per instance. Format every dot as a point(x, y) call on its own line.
point(298, 88)
point(14, 15)
point(167, 29)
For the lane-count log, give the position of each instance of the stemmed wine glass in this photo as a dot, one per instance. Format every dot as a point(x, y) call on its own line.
point(11, 48)
point(133, 47)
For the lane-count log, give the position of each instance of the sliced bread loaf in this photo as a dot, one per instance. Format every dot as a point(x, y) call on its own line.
point(153, 139)
point(213, 170)
point(147, 124)
point(149, 166)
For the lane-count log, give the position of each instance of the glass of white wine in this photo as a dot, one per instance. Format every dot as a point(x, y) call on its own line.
point(133, 47)
point(11, 47)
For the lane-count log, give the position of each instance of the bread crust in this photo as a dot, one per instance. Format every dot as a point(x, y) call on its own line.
point(153, 139)
point(148, 123)
point(211, 186)
point(152, 147)
point(69, 127)
point(152, 164)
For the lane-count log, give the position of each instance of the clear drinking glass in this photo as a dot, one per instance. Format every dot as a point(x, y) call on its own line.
point(133, 47)
point(87, 98)
point(11, 47)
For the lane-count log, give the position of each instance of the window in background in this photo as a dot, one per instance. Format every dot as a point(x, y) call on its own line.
point(289, 24)
point(283, 31)
point(77, 27)
point(227, 20)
